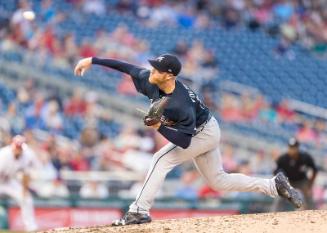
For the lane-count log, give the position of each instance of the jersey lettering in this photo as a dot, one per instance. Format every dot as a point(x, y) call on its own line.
point(194, 97)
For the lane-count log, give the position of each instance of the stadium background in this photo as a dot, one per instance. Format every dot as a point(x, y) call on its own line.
point(260, 65)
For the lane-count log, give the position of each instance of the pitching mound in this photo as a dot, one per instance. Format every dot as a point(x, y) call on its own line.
point(296, 222)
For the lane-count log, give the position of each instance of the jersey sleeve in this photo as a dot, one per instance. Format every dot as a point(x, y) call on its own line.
point(139, 75)
point(141, 82)
point(187, 124)
point(178, 138)
point(311, 163)
point(279, 165)
point(31, 162)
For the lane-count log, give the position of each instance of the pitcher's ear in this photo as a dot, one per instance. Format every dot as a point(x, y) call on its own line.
point(169, 76)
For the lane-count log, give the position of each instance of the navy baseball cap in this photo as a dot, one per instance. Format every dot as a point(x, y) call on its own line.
point(293, 142)
point(167, 63)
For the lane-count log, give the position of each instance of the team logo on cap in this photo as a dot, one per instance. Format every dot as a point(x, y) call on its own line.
point(159, 59)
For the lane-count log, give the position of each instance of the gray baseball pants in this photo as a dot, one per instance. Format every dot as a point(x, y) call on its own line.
point(205, 153)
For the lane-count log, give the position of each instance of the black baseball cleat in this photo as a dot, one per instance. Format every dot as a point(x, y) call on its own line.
point(132, 218)
point(285, 190)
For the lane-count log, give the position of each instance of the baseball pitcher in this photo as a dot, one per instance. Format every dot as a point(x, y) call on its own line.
point(194, 134)
point(16, 160)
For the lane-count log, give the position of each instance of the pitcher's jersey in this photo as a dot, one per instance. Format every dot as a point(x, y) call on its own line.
point(184, 112)
point(10, 166)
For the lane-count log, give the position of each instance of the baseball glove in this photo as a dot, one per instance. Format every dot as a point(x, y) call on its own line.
point(155, 111)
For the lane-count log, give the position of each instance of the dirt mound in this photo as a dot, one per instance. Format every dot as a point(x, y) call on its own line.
point(296, 222)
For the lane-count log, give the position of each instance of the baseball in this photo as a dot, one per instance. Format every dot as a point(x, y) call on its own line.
point(29, 15)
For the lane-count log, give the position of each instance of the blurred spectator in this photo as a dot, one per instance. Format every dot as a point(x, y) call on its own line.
point(231, 17)
point(230, 108)
point(56, 188)
point(95, 112)
point(47, 11)
point(79, 161)
point(76, 105)
point(33, 112)
point(306, 133)
point(283, 10)
point(260, 14)
point(209, 60)
point(143, 158)
point(163, 14)
point(208, 98)
point(202, 21)
point(94, 6)
point(61, 158)
point(94, 189)
point(320, 128)
point(51, 117)
point(244, 167)
point(89, 137)
point(297, 21)
point(261, 163)
point(49, 41)
point(126, 87)
point(87, 50)
point(47, 171)
point(12, 121)
point(206, 192)
point(103, 148)
point(250, 107)
point(267, 114)
point(124, 6)
point(229, 161)
point(181, 48)
point(285, 113)
point(70, 48)
point(21, 26)
point(135, 188)
point(187, 190)
point(186, 18)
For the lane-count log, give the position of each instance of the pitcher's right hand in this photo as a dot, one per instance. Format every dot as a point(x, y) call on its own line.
point(82, 66)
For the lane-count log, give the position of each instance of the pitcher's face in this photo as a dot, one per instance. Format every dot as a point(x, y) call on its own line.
point(157, 77)
point(17, 151)
point(293, 151)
